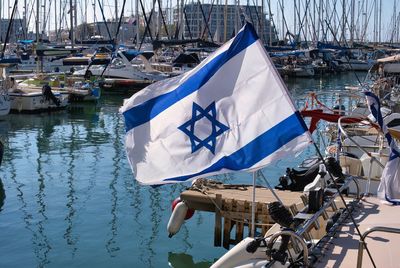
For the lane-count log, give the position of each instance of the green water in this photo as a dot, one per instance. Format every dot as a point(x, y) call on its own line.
point(71, 200)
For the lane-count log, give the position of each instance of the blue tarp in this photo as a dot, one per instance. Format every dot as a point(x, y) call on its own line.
point(321, 45)
point(25, 42)
point(286, 54)
point(131, 54)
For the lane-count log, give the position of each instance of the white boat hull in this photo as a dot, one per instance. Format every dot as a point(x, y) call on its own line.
point(5, 104)
point(36, 102)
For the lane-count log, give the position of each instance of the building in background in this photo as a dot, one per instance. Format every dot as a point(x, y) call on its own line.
point(224, 21)
point(17, 30)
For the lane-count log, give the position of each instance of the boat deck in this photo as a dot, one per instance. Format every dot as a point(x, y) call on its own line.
point(384, 247)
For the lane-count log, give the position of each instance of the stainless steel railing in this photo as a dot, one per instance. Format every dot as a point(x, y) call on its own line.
point(361, 244)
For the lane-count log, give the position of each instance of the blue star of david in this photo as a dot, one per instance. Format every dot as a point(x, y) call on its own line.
point(212, 125)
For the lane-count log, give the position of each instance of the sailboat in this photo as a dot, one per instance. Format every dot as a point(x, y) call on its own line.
point(183, 128)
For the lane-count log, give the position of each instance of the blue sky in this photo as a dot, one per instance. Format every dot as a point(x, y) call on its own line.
point(92, 12)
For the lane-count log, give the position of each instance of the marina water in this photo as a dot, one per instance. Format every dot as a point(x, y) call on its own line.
point(71, 199)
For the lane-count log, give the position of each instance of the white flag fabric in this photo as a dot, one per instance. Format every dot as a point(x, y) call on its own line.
point(389, 187)
point(232, 112)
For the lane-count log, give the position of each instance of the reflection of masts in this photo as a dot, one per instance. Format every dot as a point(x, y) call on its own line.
point(111, 245)
point(136, 204)
point(155, 207)
point(44, 246)
point(39, 240)
point(68, 235)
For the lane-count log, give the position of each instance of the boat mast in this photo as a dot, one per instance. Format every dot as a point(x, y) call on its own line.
point(55, 19)
point(294, 18)
point(343, 22)
point(1, 19)
point(116, 16)
point(137, 23)
point(283, 19)
point(71, 17)
point(380, 20)
point(270, 22)
point(38, 62)
point(44, 19)
point(352, 23)
point(225, 19)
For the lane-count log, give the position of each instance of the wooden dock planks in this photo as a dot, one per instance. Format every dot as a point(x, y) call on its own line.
point(232, 207)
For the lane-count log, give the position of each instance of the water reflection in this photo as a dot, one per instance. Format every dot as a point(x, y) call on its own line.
point(71, 195)
point(182, 260)
point(69, 236)
point(40, 236)
point(155, 216)
point(111, 245)
point(2, 194)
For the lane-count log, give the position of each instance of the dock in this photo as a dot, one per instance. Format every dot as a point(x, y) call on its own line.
point(232, 207)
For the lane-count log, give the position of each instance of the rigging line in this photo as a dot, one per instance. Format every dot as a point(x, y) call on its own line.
point(301, 26)
point(187, 23)
point(21, 25)
point(356, 24)
point(9, 28)
point(331, 16)
point(147, 29)
point(248, 9)
point(104, 20)
point(163, 19)
point(62, 19)
point(321, 10)
point(47, 17)
point(120, 20)
point(260, 22)
point(208, 20)
point(283, 17)
point(30, 13)
point(307, 16)
point(205, 21)
point(272, 22)
point(367, 22)
point(347, 14)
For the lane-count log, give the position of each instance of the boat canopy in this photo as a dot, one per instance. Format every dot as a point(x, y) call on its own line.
point(287, 54)
point(321, 45)
point(25, 42)
point(130, 54)
point(393, 58)
point(200, 43)
point(185, 58)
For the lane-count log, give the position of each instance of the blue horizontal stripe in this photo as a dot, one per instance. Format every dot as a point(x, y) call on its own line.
point(258, 149)
point(146, 111)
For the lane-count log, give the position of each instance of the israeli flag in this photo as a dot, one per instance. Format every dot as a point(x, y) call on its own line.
point(232, 112)
point(389, 187)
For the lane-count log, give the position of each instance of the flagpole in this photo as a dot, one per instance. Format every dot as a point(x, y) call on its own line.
point(253, 207)
point(270, 187)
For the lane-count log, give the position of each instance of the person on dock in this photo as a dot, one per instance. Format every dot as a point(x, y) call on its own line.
point(48, 94)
